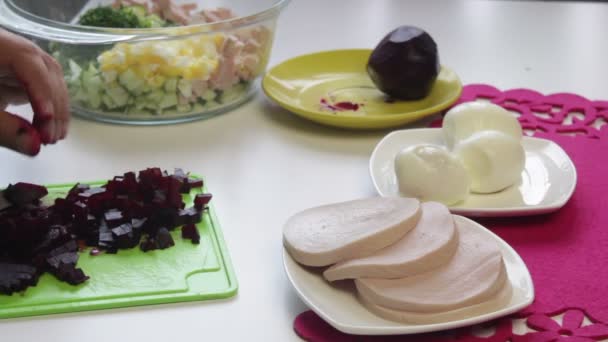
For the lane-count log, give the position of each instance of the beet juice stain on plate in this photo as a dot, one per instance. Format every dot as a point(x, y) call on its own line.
point(340, 106)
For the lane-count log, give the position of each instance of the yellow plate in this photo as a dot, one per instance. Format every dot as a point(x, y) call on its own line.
point(300, 84)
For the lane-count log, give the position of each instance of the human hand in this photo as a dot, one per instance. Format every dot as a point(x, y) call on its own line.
point(29, 73)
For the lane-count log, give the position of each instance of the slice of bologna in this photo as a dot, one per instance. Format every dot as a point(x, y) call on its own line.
point(328, 234)
point(430, 244)
point(475, 274)
point(499, 300)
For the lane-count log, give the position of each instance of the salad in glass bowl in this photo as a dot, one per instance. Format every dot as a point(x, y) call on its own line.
point(151, 61)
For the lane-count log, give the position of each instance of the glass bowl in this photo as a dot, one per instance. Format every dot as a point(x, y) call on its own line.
point(190, 62)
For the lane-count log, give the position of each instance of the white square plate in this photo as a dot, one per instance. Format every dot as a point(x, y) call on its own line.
point(546, 184)
point(338, 304)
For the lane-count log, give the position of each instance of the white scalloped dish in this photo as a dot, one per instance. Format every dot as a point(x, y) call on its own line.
point(546, 184)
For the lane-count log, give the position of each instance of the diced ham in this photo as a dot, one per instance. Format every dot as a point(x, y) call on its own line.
point(225, 75)
point(430, 244)
point(199, 87)
point(475, 274)
point(217, 14)
point(168, 10)
point(251, 46)
point(197, 18)
point(182, 100)
point(331, 233)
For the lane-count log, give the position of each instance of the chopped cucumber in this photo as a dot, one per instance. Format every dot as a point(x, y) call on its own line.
point(169, 100)
point(108, 102)
point(185, 108)
point(170, 85)
point(232, 94)
point(131, 82)
point(110, 76)
point(185, 87)
point(118, 95)
point(155, 97)
point(198, 108)
point(75, 71)
point(94, 99)
point(209, 95)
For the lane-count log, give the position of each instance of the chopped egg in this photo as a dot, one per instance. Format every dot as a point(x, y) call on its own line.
point(150, 64)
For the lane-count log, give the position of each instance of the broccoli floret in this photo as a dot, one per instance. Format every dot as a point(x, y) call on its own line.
point(145, 20)
point(106, 16)
point(123, 17)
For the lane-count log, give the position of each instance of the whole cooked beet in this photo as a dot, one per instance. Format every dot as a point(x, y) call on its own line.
point(405, 64)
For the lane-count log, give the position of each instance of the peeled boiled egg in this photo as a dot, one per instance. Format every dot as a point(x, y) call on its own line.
point(468, 118)
point(431, 173)
point(494, 160)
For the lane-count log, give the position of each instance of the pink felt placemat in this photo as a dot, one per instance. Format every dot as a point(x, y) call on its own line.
point(565, 251)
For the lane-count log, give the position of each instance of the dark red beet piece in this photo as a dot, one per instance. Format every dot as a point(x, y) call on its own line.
point(125, 237)
point(91, 191)
point(21, 194)
point(148, 244)
point(201, 201)
point(137, 223)
point(106, 239)
point(69, 273)
point(113, 217)
point(56, 236)
point(164, 238)
point(190, 231)
point(78, 188)
point(16, 277)
point(189, 215)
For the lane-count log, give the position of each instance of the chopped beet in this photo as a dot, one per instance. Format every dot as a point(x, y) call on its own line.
point(179, 173)
point(64, 258)
point(78, 188)
point(69, 273)
point(91, 191)
point(16, 277)
point(129, 210)
point(201, 201)
point(138, 224)
point(125, 236)
point(148, 244)
point(56, 236)
point(164, 238)
point(106, 239)
point(190, 231)
point(21, 194)
point(113, 217)
point(191, 183)
point(189, 215)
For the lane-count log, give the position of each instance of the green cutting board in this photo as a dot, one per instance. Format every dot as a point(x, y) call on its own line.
point(185, 272)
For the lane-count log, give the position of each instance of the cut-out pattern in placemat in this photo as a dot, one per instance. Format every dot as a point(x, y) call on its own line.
point(566, 251)
point(563, 113)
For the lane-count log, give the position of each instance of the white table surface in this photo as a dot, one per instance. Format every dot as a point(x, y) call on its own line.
point(263, 164)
